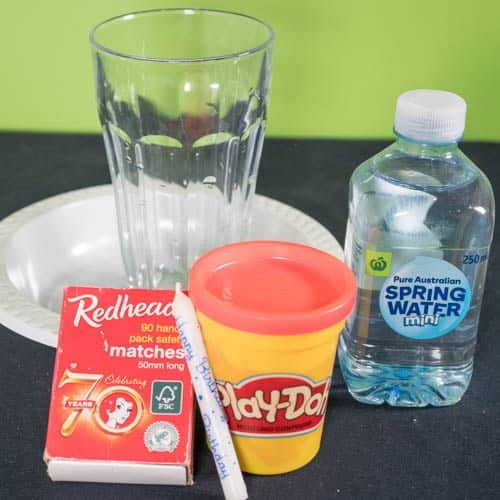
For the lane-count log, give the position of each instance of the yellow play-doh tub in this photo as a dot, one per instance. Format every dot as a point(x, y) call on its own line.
point(271, 314)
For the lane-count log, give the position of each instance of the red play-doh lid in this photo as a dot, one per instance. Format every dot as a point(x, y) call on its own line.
point(272, 287)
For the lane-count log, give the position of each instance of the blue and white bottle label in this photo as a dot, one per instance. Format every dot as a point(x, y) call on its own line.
point(425, 298)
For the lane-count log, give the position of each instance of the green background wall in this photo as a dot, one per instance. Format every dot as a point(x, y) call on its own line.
point(339, 65)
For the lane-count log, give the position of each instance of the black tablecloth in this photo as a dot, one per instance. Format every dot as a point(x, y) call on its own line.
point(366, 452)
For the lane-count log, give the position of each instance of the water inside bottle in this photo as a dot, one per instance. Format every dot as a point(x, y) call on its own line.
point(412, 206)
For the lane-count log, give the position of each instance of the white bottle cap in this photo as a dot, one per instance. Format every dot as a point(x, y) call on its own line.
point(433, 116)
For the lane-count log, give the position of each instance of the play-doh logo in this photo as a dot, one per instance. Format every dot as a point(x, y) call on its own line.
point(425, 299)
point(275, 404)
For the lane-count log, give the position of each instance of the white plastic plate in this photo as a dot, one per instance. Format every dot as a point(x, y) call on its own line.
point(71, 239)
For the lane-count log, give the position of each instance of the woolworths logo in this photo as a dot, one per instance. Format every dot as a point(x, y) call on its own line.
point(377, 264)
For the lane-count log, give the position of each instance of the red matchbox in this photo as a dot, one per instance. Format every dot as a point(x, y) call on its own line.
point(122, 402)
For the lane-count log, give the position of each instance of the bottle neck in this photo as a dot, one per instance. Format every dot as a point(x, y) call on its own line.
point(422, 149)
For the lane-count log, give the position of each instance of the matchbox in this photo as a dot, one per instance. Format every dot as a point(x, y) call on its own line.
point(122, 402)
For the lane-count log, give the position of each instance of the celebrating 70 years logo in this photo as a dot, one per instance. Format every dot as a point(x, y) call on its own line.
point(116, 409)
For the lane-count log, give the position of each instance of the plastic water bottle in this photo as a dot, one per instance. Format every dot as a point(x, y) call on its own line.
point(421, 219)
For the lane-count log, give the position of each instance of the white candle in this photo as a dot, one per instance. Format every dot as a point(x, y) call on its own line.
point(212, 412)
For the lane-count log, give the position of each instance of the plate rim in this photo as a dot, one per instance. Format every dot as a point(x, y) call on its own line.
point(31, 320)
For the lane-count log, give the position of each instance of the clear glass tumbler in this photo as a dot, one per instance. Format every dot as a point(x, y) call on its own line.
point(182, 97)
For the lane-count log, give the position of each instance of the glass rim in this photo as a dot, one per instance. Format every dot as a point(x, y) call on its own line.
point(252, 50)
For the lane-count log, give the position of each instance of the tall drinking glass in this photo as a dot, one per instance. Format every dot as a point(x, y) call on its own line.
point(182, 97)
